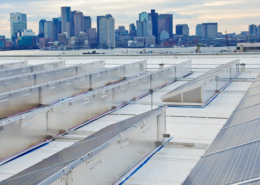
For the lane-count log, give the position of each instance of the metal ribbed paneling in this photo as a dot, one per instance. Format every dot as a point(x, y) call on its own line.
point(234, 155)
point(70, 154)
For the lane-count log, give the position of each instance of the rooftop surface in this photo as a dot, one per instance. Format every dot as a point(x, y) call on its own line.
point(192, 129)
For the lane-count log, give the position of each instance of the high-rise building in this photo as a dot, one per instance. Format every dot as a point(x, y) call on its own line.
point(165, 22)
point(143, 17)
point(18, 22)
point(41, 28)
point(107, 31)
point(154, 18)
point(252, 29)
point(87, 23)
point(150, 25)
point(98, 18)
point(199, 30)
point(48, 29)
point(65, 20)
point(142, 30)
point(182, 29)
point(92, 35)
point(56, 28)
point(209, 30)
point(72, 23)
point(258, 31)
point(78, 23)
point(132, 30)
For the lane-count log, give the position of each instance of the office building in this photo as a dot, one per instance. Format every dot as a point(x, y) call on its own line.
point(65, 20)
point(27, 41)
point(252, 29)
point(63, 39)
point(150, 25)
point(154, 20)
point(165, 22)
point(106, 31)
point(41, 28)
point(142, 30)
point(143, 17)
point(199, 30)
point(72, 23)
point(48, 29)
point(132, 30)
point(150, 40)
point(182, 29)
point(78, 23)
point(209, 30)
point(56, 28)
point(87, 23)
point(92, 35)
point(18, 22)
point(164, 35)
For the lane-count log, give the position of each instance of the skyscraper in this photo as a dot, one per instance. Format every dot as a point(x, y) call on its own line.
point(107, 31)
point(142, 30)
point(132, 30)
point(72, 23)
point(78, 23)
point(98, 18)
point(150, 25)
point(18, 22)
point(87, 23)
point(56, 28)
point(165, 22)
point(48, 29)
point(182, 29)
point(252, 29)
point(209, 30)
point(199, 30)
point(143, 17)
point(154, 18)
point(65, 20)
point(41, 28)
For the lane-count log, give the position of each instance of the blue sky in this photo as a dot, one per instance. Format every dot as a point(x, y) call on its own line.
point(232, 15)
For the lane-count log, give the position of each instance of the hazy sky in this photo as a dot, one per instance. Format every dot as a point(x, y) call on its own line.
point(232, 15)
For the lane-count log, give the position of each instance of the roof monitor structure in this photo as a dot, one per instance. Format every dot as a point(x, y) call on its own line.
point(200, 91)
point(101, 158)
point(234, 157)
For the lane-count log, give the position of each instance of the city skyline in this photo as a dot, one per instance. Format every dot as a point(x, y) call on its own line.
point(188, 12)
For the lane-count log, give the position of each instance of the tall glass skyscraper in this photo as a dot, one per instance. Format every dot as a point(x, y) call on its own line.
point(165, 22)
point(41, 28)
point(56, 28)
point(78, 23)
point(87, 23)
point(106, 31)
point(154, 18)
point(65, 20)
point(18, 22)
point(143, 17)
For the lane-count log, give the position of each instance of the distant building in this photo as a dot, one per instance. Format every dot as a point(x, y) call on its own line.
point(74, 41)
point(132, 30)
point(18, 22)
point(248, 47)
point(107, 32)
point(98, 19)
point(27, 41)
point(63, 39)
point(48, 29)
point(72, 23)
point(209, 30)
point(182, 29)
point(87, 23)
point(138, 42)
point(43, 42)
point(143, 17)
point(92, 35)
point(165, 22)
point(2, 42)
point(27, 32)
point(154, 21)
point(41, 28)
point(65, 20)
point(245, 32)
point(252, 29)
point(78, 23)
point(142, 30)
point(150, 40)
point(56, 28)
point(164, 35)
point(258, 31)
point(199, 30)
point(83, 36)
